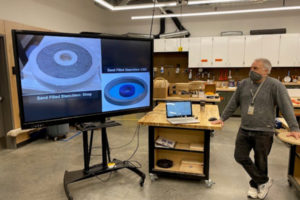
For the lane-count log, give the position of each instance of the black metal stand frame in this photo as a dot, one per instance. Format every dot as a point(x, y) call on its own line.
point(95, 170)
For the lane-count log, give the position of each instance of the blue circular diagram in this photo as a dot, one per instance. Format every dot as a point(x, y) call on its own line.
point(125, 91)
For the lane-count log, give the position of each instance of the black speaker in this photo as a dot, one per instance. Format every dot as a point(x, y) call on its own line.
point(268, 31)
point(164, 163)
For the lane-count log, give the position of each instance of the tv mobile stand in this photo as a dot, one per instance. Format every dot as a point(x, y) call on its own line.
point(98, 169)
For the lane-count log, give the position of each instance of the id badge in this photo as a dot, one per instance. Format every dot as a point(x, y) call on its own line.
point(251, 110)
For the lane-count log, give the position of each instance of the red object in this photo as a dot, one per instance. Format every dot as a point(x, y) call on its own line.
point(223, 75)
point(218, 59)
point(203, 60)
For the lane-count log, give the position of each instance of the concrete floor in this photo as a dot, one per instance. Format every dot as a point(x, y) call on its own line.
point(36, 170)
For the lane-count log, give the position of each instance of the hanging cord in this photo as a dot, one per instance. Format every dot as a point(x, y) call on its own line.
point(153, 10)
point(119, 147)
point(181, 22)
point(138, 143)
point(131, 140)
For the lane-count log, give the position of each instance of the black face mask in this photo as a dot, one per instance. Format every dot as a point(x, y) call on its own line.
point(254, 76)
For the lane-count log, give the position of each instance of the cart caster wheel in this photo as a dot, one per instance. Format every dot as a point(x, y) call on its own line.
point(153, 177)
point(289, 182)
point(209, 183)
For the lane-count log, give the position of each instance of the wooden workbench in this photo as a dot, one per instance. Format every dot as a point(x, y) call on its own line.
point(294, 157)
point(190, 156)
point(183, 98)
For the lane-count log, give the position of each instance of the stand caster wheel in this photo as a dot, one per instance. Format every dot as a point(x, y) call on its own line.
point(209, 183)
point(142, 182)
point(153, 177)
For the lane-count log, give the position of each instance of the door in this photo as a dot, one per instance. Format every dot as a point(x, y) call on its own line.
point(159, 45)
point(220, 52)
point(253, 49)
point(270, 48)
point(236, 51)
point(194, 52)
point(289, 50)
point(5, 103)
point(206, 52)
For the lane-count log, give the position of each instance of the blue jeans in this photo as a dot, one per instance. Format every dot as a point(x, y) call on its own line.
point(261, 143)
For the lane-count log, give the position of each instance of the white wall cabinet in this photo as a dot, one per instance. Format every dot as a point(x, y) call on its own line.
point(194, 52)
point(220, 52)
point(236, 51)
point(270, 48)
point(159, 45)
point(200, 52)
point(171, 45)
point(253, 49)
point(289, 50)
point(206, 52)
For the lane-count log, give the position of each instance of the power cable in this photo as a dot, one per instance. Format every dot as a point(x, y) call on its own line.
point(153, 9)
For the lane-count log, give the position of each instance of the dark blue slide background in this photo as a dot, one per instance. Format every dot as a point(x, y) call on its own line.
point(125, 54)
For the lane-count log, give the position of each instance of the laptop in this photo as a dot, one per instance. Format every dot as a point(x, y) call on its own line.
point(180, 112)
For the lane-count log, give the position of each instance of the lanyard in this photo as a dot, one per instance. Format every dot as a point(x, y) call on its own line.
point(254, 96)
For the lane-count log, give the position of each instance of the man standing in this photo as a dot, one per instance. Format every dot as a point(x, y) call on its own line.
point(257, 96)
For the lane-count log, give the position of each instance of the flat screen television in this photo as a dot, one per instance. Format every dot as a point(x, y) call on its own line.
point(63, 78)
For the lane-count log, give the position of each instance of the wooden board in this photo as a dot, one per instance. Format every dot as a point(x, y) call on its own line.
point(291, 140)
point(157, 117)
point(193, 99)
point(2, 30)
point(296, 102)
point(8, 26)
point(177, 158)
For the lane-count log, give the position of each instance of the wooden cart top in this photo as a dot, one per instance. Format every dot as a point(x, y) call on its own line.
point(157, 117)
point(193, 99)
point(283, 132)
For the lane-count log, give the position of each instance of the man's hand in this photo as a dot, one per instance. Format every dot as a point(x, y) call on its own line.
point(296, 135)
point(221, 122)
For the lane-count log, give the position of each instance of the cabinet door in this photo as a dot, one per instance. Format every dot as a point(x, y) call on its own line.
point(171, 45)
point(194, 52)
point(289, 50)
point(159, 45)
point(220, 52)
point(270, 48)
point(236, 51)
point(206, 52)
point(253, 49)
point(184, 43)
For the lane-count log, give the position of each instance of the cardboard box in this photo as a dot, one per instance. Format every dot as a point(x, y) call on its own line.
point(160, 87)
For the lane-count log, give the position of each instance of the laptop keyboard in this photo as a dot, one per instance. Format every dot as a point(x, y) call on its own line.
point(183, 120)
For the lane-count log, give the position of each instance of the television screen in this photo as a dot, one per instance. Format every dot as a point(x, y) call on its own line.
point(75, 77)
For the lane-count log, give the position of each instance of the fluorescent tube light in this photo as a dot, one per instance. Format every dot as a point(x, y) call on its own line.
point(218, 12)
point(133, 7)
point(157, 5)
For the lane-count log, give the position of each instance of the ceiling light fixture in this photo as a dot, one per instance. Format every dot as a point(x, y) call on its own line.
point(157, 5)
point(218, 12)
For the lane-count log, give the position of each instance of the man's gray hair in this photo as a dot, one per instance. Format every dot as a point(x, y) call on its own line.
point(266, 63)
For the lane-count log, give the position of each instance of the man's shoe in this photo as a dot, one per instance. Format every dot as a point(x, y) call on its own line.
point(252, 193)
point(263, 189)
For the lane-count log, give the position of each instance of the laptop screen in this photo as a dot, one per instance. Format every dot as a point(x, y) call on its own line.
point(178, 109)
